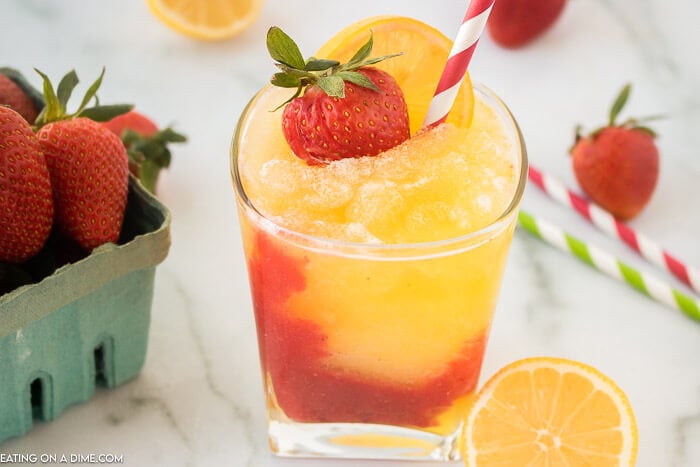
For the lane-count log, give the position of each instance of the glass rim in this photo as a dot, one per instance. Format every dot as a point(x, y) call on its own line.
point(314, 242)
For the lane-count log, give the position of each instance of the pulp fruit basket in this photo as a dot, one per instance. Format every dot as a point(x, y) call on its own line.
point(85, 325)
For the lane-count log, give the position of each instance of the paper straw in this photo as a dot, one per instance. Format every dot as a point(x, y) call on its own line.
point(462, 50)
point(610, 265)
point(609, 224)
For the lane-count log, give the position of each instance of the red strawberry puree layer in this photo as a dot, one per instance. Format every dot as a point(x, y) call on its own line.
point(293, 351)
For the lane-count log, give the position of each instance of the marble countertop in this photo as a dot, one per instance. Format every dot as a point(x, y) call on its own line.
point(198, 400)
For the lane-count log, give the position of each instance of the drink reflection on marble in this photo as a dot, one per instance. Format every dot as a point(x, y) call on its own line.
point(374, 280)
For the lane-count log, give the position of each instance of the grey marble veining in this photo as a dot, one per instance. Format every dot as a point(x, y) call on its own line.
point(198, 401)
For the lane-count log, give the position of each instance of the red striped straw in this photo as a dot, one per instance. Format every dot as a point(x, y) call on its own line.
point(461, 54)
point(609, 224)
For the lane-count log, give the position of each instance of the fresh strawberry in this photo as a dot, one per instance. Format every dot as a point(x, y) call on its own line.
point(346, 110)
point(26, 215)
point(89, 173)
point(14, 97)
point(132, 120)
point(515, 23)
point(617, 166)
point(87, 163)
point(146, 145)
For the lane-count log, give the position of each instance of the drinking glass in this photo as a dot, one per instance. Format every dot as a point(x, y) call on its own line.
point(372, 351)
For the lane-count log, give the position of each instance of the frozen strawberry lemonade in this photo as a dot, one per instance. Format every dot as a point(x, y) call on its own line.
point(374, 279)
point(437, 185)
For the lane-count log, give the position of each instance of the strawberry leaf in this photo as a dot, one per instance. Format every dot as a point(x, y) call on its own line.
point(647, 130)
point(316, 64)
point(151, 153)
point(359, 79)
point(148, 174)
point(285, 80)
point(333, 85)
point(56, 101)
point(619, 103)
point(170, 136)
point(104, 113)
point(91, 92)
point(283, 49)
point(629, 124)
point(52, 110)
point(361, 59)
point(295, 72)
point(381, 58)
point(329, 75)
point(364, 51)
point(65, 88)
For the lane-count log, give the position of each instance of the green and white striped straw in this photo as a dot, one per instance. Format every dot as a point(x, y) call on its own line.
point(645, 283)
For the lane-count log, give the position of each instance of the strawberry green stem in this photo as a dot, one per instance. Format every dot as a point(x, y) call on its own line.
point(619, 103)
point(57, 101)
point(329, 75)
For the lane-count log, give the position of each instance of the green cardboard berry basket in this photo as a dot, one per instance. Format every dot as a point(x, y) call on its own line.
point(85, 325)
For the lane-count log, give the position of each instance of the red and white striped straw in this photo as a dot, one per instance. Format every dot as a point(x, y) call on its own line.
point(609, 224)
point(461, 54)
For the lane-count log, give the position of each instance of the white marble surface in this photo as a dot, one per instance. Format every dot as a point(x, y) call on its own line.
point(198, 400)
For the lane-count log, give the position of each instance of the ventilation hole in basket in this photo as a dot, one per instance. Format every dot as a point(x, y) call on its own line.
point(36, 390)
point(100, 373)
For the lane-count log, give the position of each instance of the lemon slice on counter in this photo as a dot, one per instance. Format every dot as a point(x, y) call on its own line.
point(550, 412)
point(207, 19)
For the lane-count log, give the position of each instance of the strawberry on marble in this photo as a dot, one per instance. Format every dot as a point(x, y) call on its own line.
point(617, 165)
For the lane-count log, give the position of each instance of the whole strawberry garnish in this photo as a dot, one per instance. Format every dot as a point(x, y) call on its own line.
point(26, 204)
point(146, 145)
point(13, 96)
point(617, 166)
point(87, 163)
point(515, 23)
point(346, 110)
